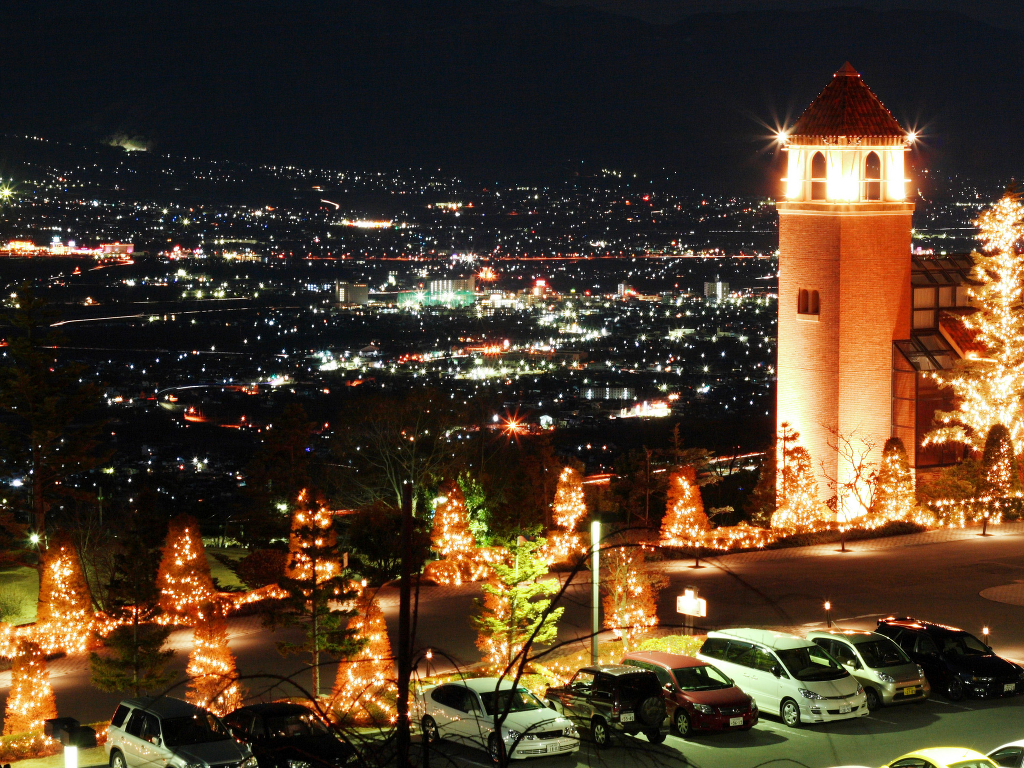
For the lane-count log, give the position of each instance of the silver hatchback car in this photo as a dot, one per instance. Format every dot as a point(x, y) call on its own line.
point(171, 733)
point(888, 675)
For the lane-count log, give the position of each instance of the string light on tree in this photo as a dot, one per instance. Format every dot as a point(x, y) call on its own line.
point(365, 681)
point(212, 676)
point(685, 521)
point(31, 699)
point(988, 386)
point(894, 490)
point(631, 592)
point(312, 529)
point(452, 539)
point(184, 576)
point(569, 507)
point(64, 616)
point(797, 506)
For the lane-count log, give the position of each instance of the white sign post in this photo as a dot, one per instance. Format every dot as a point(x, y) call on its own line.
point(690, 605)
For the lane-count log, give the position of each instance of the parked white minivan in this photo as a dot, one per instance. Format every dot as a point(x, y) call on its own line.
point(786, 674)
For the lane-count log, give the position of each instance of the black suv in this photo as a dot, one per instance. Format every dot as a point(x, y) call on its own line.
point(288, 736)
point(616, 698)
point(955, 662)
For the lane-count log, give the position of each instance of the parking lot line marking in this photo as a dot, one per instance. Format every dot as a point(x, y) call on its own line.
point(957, 706)
point(890, 722)
point(786, 731)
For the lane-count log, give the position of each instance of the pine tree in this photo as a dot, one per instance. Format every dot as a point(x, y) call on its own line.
point(314, 584)
point(135, 662)
point(31, 699)
point(760, 504)
point(998, 464)
point(564, 543)
point(685, 520)
point(184, 576)
point(365, 679)
point(988, 386)
point(65, 615)
point(452, 539)
point(894, 489)
point(798, 509)
point(514, 605)
point(212, 677)
point(631, 590)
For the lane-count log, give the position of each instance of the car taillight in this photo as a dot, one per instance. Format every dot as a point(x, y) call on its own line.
point(616, 708)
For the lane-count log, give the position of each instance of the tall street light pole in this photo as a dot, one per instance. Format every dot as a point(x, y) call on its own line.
point(595, 580)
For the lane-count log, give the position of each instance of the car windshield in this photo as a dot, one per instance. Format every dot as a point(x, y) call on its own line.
point(962, 644)
point(980, 762)
point(879, 654)
point(519, 700)
point(811, 663)
point(296, 724)
point(198, 729)
point(705, 678)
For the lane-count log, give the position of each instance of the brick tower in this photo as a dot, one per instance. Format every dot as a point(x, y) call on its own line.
point(844, 276)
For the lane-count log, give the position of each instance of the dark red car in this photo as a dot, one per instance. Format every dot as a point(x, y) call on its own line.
point(698, 696)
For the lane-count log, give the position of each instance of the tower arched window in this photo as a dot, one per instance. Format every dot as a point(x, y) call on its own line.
point(819, 174)
point(812, 303)
point(802, 301)
point(872, 177)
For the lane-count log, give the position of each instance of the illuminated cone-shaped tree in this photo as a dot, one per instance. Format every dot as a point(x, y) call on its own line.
point(564, 543)
point(516, 606)
point(988, 386)
point(685, 520)
point(312, 532)
point(364, 679)
point(798, 510)
point(30, 700)
point(65, 615)
point(315, 587)
point(630, 591)
point(212, 677)
point(894, 490)
point(184, 576)
point(452, 539)
point(998, 465)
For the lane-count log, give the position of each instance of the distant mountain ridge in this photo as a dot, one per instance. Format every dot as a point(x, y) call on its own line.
point(499, 87)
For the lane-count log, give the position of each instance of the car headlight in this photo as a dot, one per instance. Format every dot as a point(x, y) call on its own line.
point(860, 688)
point(298, 764)
point(920, 670)
point(249, 762)
point(886, 678)
point(570, 731)
point(704, 709)
point(810, 694)
point(194, 765)
point(753, 706)
point(511, 735)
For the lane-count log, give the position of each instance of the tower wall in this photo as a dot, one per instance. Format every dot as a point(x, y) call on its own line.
point(835, 368)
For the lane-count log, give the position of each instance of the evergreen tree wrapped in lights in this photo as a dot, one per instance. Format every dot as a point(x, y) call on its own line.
point(212, 677)
point(797, 508)
point(564, 543)
point(312, 529)
point(998, 464)
point(451, 538)
point(30, 700)
point(516, 604)
point(685, 521)
point(65, 616)
point(894, 490)
point(184, 576)
point(988, 387)
point(365, 679)
point(631, 591)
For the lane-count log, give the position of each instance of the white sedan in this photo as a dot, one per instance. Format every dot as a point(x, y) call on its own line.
point(465, 711)
point(1009, 755)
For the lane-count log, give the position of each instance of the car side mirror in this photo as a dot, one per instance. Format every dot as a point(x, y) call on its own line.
point(155, 740)
point(777, 670)
point(852, 664)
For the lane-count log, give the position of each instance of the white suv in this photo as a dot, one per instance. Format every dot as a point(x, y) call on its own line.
point(171, 733)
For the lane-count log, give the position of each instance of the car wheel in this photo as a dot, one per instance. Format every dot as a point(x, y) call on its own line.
point(117, 760)
point(601, 733)
point(429, 728)
point(874, 700)
point(655, 737)
point(790, 713)
point(683, 726)
point(954, 689)
point(496, 749)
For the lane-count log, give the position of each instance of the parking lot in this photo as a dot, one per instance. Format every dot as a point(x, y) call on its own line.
point(868, 741)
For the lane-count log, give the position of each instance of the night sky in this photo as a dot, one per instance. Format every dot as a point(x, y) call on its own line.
point(509, 88)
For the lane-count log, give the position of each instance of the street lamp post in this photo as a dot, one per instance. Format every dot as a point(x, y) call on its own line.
point(595, 579)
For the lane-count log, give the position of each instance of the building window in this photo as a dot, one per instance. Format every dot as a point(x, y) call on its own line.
point(807, 302)
point(872, 177)
point(819, 177)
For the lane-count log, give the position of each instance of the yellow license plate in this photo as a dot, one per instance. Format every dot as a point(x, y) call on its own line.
point(909, 691)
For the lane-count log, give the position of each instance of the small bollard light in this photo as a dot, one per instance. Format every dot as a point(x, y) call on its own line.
point(70, 757)
point(984, 632)
point(828, 614)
